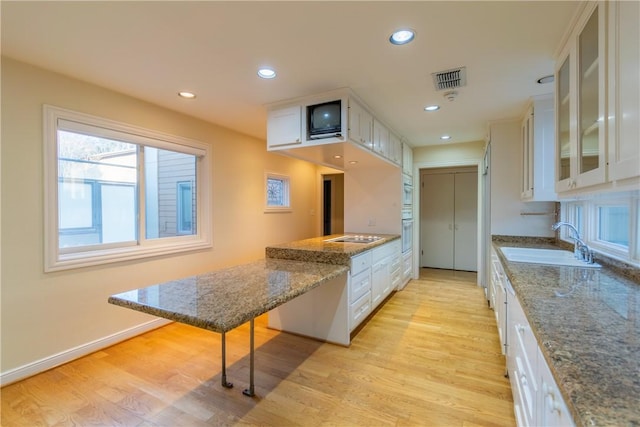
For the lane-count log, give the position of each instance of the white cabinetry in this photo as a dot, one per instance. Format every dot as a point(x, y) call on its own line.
point(498, 298)
point(538, 149)
point(396, 267)
point(553, 411)
point(407, 159)
point(522, 364)
point(624, 89)
point(383, 259)
point(330, 312)
point(536, 398)
point(359, 289)
point(395, 148)
point(284, 126)
point(580, 103)
point(407, 266)
point(360, 124)
point(380, 138)
point(287, 131)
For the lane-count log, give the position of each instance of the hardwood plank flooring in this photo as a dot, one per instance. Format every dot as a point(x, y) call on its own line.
point(429, 357)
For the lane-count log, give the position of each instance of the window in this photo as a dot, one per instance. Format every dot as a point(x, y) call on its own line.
point(608, 223)
point(277, 193)
point(116, 192)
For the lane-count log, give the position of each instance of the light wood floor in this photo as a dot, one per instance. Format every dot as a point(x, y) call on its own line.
point(429, 357)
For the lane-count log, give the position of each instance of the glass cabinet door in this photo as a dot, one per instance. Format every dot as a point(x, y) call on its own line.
point(588, 97)
point(563, 112)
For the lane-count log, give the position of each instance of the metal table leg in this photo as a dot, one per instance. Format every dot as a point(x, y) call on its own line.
point(250, 391)
point(224, 363)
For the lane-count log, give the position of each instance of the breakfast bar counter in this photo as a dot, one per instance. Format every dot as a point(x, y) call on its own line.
point(222, 300)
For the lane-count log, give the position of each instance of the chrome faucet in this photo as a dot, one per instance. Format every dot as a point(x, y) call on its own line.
point(580, 249)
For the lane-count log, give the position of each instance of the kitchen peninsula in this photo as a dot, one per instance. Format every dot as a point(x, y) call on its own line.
point(222, 300)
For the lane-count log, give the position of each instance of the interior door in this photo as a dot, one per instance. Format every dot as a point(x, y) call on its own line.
point(449, 219)
point(436, 220)
point(466, 221)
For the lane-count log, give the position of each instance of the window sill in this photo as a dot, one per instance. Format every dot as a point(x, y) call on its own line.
point(88, 259)
point(278, 210)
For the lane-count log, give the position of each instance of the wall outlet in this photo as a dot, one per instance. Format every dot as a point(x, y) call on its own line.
point(372, 222)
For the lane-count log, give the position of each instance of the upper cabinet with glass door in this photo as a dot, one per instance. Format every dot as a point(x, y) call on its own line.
point(580, 104)
point(623, 91)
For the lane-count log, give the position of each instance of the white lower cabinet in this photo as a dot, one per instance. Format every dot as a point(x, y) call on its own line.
point(382, 258)
point(396, 270)
point(330, 312)
point(522, 356)
point(359, 289)
point(498, 298)
point(359, 310)
point(536, 398)
point(553, 411)
point(407, 267)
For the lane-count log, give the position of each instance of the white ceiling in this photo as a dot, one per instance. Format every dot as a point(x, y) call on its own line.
point(152, 50)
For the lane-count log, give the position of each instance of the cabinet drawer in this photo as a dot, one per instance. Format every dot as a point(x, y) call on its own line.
point(360, 284)
point(396, 263)
point(396, 278)
point(525, 392)
point(359, 310)
point(407, 264)
point(360, 262)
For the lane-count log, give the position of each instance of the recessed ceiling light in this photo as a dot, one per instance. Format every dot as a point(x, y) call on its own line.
point(188, 95)
point(353, 162)
point(445, 137)
point(431, 108)
point(546, 79)
point(402, 36)
point(266, 73)
point(337, 156)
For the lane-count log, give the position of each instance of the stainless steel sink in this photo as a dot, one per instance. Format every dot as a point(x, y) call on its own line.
point(544, 256)
point(354, 239)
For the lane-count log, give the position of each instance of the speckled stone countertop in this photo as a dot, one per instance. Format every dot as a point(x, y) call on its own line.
point(224, 299)
point(317, 249)
point(587, 322)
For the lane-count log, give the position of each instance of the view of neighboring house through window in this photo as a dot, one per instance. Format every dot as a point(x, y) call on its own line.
point(120, 191)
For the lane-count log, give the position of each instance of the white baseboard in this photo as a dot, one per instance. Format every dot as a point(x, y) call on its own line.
point(66, 356)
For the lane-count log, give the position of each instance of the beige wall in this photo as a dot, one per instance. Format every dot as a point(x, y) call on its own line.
point(372, 199)
point(45, 314)
point(463, 153)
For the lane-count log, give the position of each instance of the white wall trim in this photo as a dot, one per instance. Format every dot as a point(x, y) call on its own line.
point(66, 356)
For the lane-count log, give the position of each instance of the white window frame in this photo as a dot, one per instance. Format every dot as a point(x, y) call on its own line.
point(56, 259)
point(286, 207)
point(590, 232)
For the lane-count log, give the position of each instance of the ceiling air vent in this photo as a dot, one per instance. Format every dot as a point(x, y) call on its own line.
point(450, 79)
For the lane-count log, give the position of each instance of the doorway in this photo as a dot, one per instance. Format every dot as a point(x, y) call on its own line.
point(332, 204)
point(449, 218)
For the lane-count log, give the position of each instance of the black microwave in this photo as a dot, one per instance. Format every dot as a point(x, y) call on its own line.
point(324, 120)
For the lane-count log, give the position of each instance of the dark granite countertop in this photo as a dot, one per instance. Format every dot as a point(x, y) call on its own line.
point(317, 249)
point(224, 299)
point(587, 322)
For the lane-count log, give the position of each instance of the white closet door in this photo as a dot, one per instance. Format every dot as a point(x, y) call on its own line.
point(466, 222)
point(436, 220)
